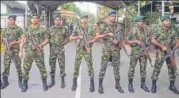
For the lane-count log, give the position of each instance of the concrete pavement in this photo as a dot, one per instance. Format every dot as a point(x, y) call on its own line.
point(35, 83)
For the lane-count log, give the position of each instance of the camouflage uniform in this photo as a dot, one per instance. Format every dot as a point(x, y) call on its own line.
point(134, 35)
point(38, 34)
point(143, 35)
point(110, 49)
point(12, 34)
point(57, 39)
point(177, 35)
point(84, 49)
point(81, 51)
point(164, 38)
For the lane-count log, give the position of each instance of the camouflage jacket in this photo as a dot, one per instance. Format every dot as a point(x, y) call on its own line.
point(39, 34)
point(116, 29)
point(141, 34)
point(87, 34)
point(163, 36)
point(58, 36)
point(12, 34)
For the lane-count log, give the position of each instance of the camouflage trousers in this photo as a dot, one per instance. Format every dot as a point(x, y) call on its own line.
point(80, 53)
point(133, 62)
point(114, 52)
point(158, 65)
point(16, 60)
point(54, 54)
point(39, 60)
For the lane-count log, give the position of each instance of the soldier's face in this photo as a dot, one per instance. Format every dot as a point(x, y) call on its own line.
point(84, 20)
point(140, 23)
point(112, 17)
point(57, 21)
point(35, 20)
point(11, 21)
point(166, 22)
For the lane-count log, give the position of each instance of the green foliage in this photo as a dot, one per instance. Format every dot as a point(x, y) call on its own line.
point(151, 18)
point(72, 7)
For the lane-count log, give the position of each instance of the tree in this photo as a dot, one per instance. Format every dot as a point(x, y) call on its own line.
point(151, 18)
point(70, 7)
point(103, 11)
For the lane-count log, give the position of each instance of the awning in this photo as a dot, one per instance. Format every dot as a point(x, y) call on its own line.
point(52, 5)
point(68, 13)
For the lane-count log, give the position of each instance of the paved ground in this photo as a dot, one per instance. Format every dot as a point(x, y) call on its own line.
point(35, 83)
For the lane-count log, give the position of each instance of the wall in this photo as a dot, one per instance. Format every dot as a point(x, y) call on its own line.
point(19, 21)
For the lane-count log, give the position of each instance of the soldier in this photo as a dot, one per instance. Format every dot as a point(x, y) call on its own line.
point(58, 37)
point(139, 34)
point(33, 41)
point(161, 38)
point(13, 34)
point(107, 32)
point(83, 35)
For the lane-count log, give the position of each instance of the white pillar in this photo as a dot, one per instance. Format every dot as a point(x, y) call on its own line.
point(163, 8)
point(138, 8)
point(26, 14)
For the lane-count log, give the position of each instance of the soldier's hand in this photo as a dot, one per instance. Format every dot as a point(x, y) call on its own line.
point(88, 50)
point(91, 41)
point(110, 34)
point(40, 47)
point(80, 37)
point(138, 42)
point(164, 48)
point(115, 41)
point(10, 44)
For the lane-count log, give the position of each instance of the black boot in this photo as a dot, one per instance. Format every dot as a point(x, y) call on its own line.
point(154, 86)
point(20, 81)
point(130, 86)
point(44, 82)
point(143, 86)
point(24, 86)
point(118, 87)
point(52, 81)
point(91, 84)
point(5, 82)
point(63, 82)
point(73, 88)
point(173, 88)
point(100, 90)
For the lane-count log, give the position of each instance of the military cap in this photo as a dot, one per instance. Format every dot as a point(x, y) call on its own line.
point(165, 17)
point(12, 16)
point(84, 16)
point(35, 14)
point(57, 16)
point(138, 18)
point(111, 12)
